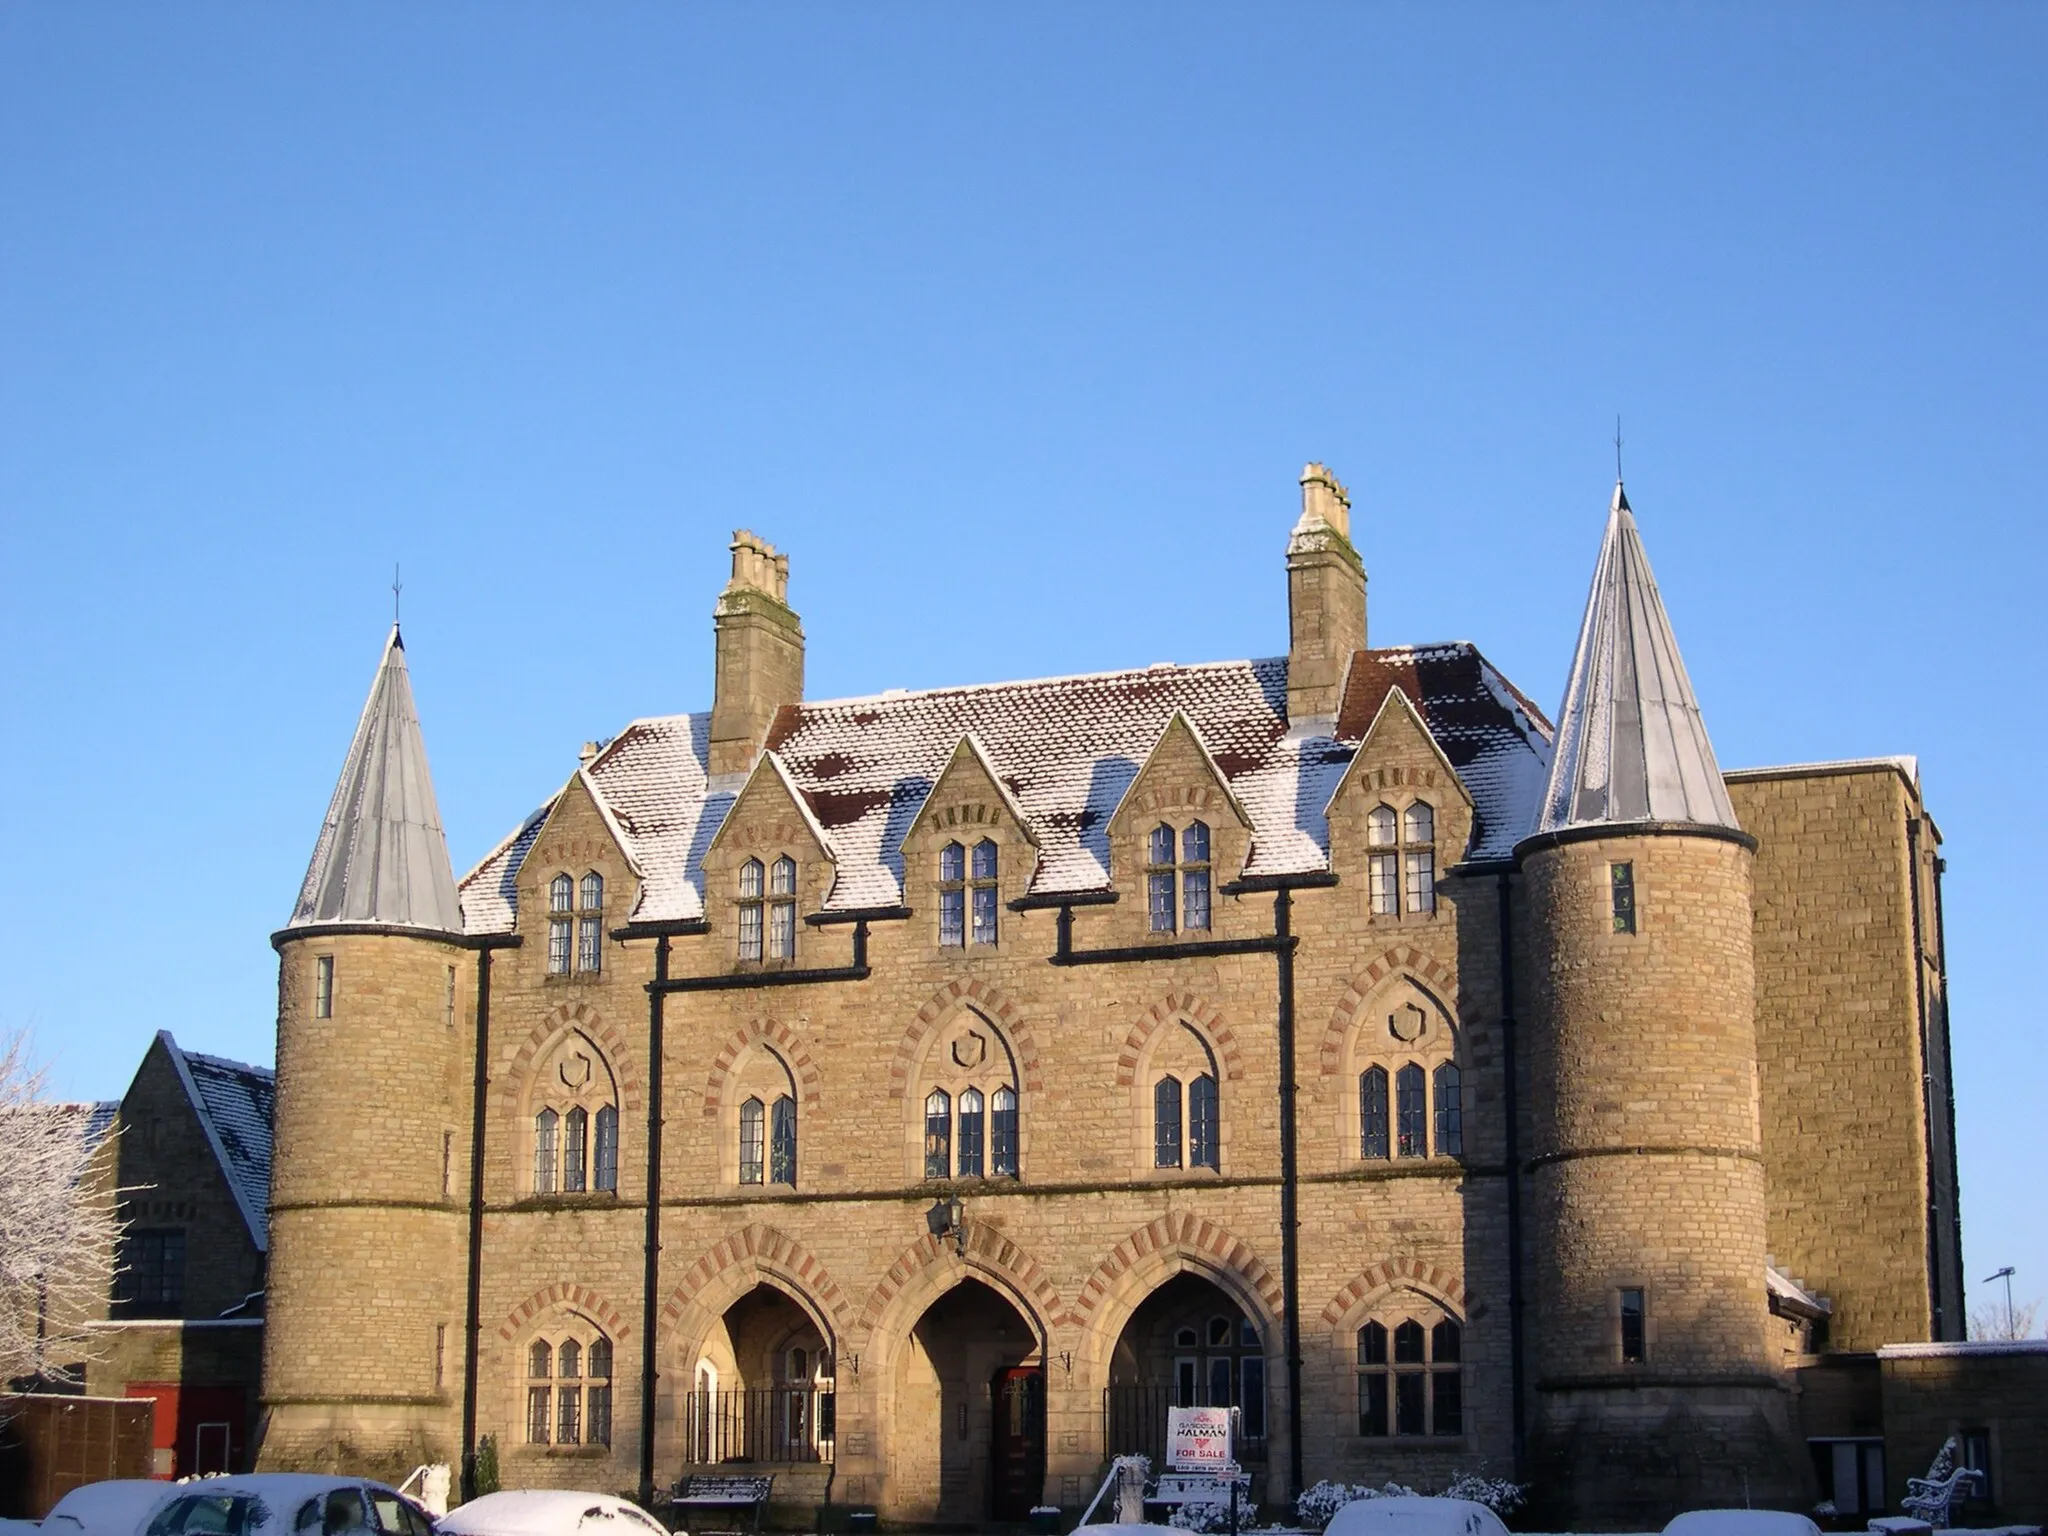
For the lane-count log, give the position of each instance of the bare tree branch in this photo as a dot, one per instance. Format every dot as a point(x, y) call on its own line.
point(58, 1225)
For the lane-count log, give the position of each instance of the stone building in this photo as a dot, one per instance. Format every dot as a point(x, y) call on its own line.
point(917, 1094)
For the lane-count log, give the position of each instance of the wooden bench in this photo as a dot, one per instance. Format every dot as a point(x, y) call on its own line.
point(717, 1492)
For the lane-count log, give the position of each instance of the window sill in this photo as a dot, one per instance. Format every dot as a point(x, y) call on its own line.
point(571, 1452)
point(570, 978)
point(579, 1200)
point(1195, 1175)
point(993, 1183)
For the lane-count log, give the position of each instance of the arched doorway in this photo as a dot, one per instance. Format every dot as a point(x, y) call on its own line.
point(968, 1440)
point(1187, 1346)
point(762, 1386)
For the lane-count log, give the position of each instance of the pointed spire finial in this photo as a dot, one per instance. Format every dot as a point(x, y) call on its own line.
point(397, 587)
point(1630, 746)
point(1617, 448)
point(382, 856)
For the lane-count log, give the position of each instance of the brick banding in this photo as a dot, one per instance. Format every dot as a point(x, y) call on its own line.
point(578, 1018)
point(1397, 1274)
point(1181, 1008)
point(779, 1038)
point(581, 1298)
point(1429, 974)
point(1212, 1247)
point(987, 1249)
point(771, 1254)
point(989, 1003)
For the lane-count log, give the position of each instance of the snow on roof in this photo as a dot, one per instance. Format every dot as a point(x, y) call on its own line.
point(236, 1106)
point(1064, 750)
point(381, 856)
point(1788, 1290)
point(1962, 1350)
point(1631, 746)
point(1903, 763)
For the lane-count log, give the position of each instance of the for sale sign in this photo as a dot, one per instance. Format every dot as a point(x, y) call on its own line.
point(1198, 1439)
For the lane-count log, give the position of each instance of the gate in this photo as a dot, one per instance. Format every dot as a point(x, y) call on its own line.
point(769, 1424)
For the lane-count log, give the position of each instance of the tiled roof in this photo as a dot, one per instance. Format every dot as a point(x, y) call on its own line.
point(236, 1105)
point(1066, 750)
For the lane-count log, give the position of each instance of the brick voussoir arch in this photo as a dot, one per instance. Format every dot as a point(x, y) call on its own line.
point(582, 1019)
point(780, 1038)
point(1392, 1274)
point(565, 1294)
point(1173, 1008)
point(993, 1004)
point(765, 1250)
point(1179, 1232)
point(1401, 960)
point(988, 1249)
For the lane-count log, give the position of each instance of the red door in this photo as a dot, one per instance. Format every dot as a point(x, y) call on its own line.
point(1018, 1463)
point(163, 1435)
point(197, 1429)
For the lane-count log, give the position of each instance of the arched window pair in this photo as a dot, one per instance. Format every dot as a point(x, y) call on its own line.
point(1200, 1120)
point(1401, 866)
point(980, 1142)
point(967, 895)
point(569, 1390)
point(1177, 889)
point(767, 910)
point(1408, 1133)
point(1416, 1387)
point(770, 1129)
point(576, 1151)
point(576, 924)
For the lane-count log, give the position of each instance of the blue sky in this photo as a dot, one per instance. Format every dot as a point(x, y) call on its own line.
point(1014, 327)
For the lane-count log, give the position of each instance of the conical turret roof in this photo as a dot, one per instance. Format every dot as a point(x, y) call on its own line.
point(382, 856)
point(1631, 746)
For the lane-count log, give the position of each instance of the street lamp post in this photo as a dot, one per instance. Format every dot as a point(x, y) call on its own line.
point(2004, 1274)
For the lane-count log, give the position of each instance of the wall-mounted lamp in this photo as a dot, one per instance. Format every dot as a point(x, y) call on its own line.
point(949, 1216)
point(853, 1362)
point(1067, 1361)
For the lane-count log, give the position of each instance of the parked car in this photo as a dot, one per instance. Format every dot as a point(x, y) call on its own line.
point(288, 1504)
point(1740, 1522)
point(120, 1506)
point(548, 1512)
point(1414, 1515)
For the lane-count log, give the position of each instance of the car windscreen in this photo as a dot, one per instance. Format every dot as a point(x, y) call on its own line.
point(210, 1514)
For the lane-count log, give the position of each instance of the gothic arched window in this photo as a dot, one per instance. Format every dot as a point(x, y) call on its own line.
point(1202, 1122)
point(1372, 1113)
point(782, 1142)
point(1417, 1386)
point(545, 1125)
point(575, 1102)
point(1450, 1111)
point(752, 887)
point(938, 1134)
point(1411, 1116)
point(1166, 1123)
point(782, 910)
point(753, 1128)
point(1177, 889)
point(569, 1387)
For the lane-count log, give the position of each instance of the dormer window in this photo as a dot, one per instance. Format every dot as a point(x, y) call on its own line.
point(967, 889)
point(767, 910)
point(1177, 889)
point(1401, 868)
point(575, 927)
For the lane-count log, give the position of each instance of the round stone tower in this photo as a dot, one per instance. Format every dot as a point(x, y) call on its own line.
point(362, 1363)
point(1654, 1384)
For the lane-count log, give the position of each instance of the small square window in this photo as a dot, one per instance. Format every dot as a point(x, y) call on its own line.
point(1633, 1339)
point(323, 987)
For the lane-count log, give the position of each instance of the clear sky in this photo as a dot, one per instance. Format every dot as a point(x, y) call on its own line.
point(1014, 327)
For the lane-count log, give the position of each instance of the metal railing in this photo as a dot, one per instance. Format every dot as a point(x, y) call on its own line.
point(1134, 1424)
point(769, 1424)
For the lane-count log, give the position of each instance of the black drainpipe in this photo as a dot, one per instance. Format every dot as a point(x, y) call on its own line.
point(479, 1087)
point(1511, 1106)
point(1948, 1078)
point(1281, 944)
point(658, 991)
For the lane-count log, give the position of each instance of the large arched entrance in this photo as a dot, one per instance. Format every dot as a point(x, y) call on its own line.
point(968, 1438)
point(1188, 1345)
point(761, 1388)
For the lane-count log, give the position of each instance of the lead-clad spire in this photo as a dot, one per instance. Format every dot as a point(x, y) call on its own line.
point(382, 857)
point(1631, 746)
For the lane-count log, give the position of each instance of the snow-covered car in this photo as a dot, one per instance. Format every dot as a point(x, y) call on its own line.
point(120, 1506)
point(1414, 1515)
point(288, 1504)
point(1740, 1522)
point(548, 1512)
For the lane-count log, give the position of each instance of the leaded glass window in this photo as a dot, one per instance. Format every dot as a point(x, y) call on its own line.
point(752, 1131)
point(561, 894)
point(983, 892)
point(1159, 880)
point(545, 1129)
point(1622, 881)
point(1450, 1112)
point(606, 1160)
point(1372, 1113)
point(972, 1134)
point(1003, 1133)
point(1166, 1123)
point(782, 1142)
point(575, 1142)
point(752, 880)
point(1202, 1126)
point(782, 910)
point(1415, 1388)
point(589, 943)
point(559, 929)
point(1420, 864)
point(938, 1134)
point(1411, 1112)
point(953, 896)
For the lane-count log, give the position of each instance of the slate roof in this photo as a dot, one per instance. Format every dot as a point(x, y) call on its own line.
point(1066, 749)
point(1631, 746)
point(236, 1105)
point(382, 856)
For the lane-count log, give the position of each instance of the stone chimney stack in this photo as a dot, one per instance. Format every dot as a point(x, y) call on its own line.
point(760, 664)
point(1325, 599)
